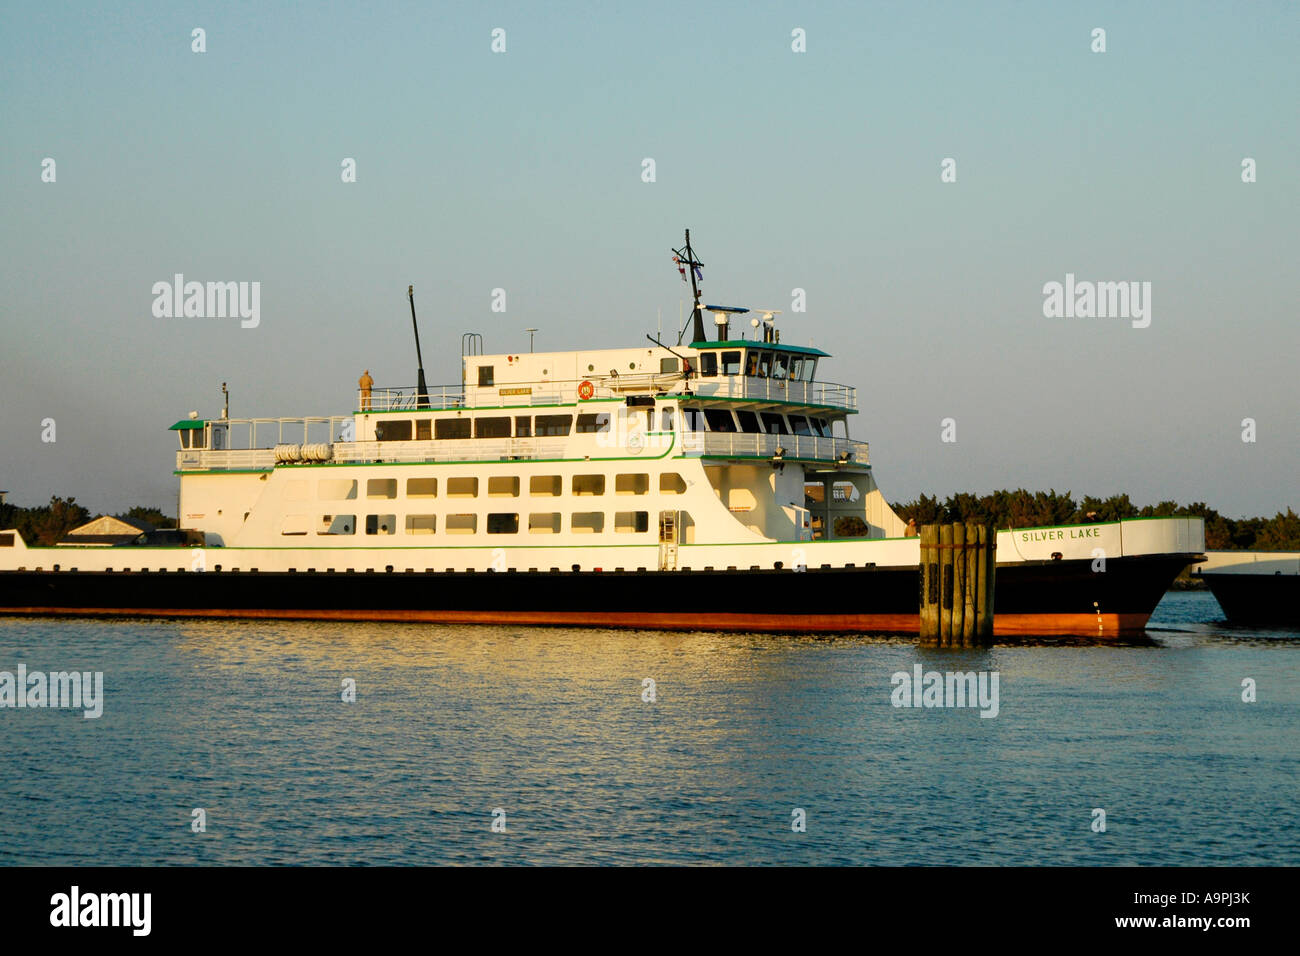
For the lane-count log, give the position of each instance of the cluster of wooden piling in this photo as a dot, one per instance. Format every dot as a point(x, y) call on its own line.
point(958, 566)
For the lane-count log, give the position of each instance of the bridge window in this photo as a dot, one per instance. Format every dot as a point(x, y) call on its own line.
point(462, 487)
point(751, 367)
point(381, 524)
point(809, 365)
point(492, 427)
point(503, 486)
point(503, 524)
point(764, 364)
point(588, 484)
point(779, 365)
point(667, 366)
point(800, 425)
point(548, 486)
point(587, 522)
point(462, 524)
point(446, 429)
point(694, 420)
point(775, 424)
point(731, 363)
point(388, 430)
point(748, 422)
point(796, 367)
point(820, 428)
point(551, 425)
point(485, 378)
point(631, 484)
point(421, 524)
point(719, 420)
point(421, 487)
point(631, 522)
point(709, 364)
point(381, 488)
point(544, 522)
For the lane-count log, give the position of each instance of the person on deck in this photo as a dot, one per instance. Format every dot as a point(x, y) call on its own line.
point(366, 383)
point(910, 531)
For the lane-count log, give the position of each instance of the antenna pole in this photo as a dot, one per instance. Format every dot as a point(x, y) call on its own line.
point(422, 396)
point(697, 316)
point(685, 259)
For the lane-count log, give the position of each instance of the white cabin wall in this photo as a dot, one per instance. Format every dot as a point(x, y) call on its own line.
point(215, 503)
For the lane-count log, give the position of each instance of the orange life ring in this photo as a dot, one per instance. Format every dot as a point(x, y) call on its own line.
point(586, 390)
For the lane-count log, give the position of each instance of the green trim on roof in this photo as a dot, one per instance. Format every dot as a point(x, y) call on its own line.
point(185, 424)
point(747, 344)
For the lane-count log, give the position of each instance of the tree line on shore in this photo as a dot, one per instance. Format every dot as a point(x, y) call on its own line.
point(49, 524)
point(1021, 509)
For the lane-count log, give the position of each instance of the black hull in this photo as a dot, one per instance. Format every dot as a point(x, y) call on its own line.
point(1048, 597)
point(1269, 600)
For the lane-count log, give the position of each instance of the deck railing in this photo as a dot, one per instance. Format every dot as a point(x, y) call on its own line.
point(696, 444)
point(802, 447)
point(441, 397)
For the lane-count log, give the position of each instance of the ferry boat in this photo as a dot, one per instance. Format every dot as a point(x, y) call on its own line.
point(713, 484)
point(1254, 587)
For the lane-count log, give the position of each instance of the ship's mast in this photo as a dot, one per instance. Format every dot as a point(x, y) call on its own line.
point(686, 262)
point(422, 391)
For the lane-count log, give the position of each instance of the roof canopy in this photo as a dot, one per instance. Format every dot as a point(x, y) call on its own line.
point(187, 423)
point(748, 344)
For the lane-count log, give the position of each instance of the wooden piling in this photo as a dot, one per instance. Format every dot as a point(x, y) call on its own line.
point(929, 582)
point(970, 621)
point(988, 548)
point(956, 582)
point(945, 585)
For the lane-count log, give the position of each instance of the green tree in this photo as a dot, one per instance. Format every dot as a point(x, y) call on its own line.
point(151, 516)
point(49, 525)
point(1280, 533)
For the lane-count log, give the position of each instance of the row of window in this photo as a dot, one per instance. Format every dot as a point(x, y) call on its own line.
point(758, 363)
point(548, 522)
point(499, 486)
point(759, 423)
point(530, 426)
point(491, 426)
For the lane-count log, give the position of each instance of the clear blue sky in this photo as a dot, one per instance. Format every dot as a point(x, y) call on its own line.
point(523, 171)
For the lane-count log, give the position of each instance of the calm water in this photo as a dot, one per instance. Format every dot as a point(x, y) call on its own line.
point(245, 720)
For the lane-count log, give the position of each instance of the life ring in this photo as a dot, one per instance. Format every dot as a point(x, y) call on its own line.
point(586, 390)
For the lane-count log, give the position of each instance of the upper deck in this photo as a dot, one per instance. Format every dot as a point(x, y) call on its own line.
point(757, 372)
point(729, 399)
